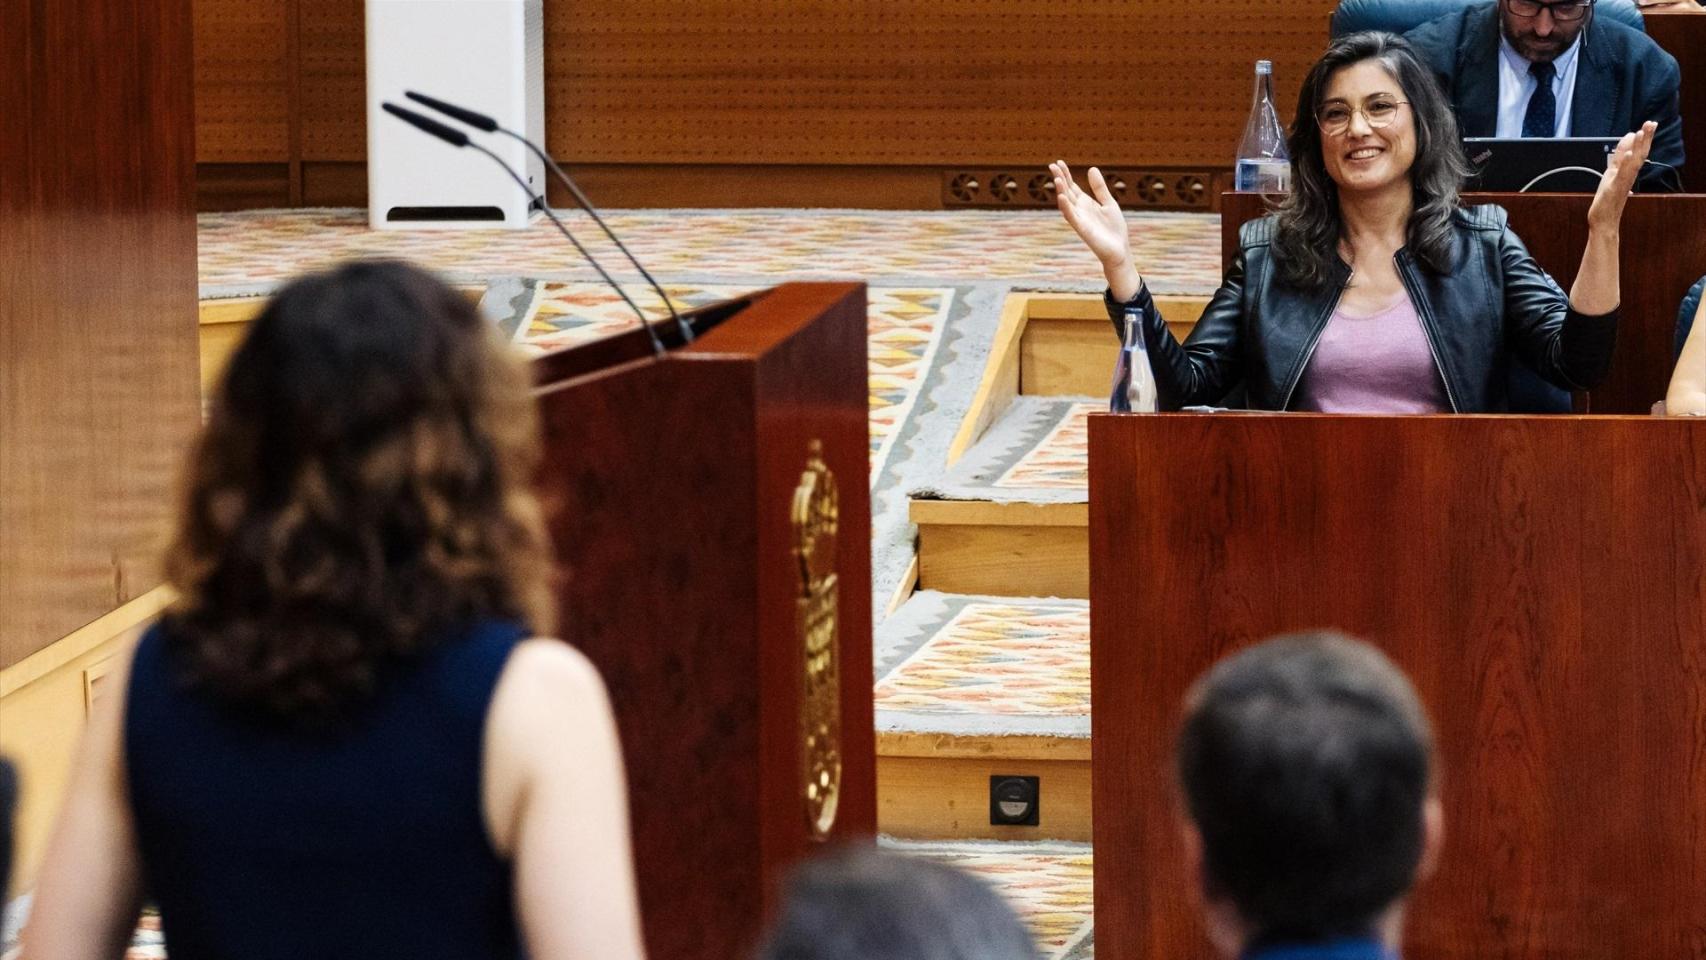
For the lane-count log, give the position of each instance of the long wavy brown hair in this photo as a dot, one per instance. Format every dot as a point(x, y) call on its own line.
point(362, 489)
point(1306, 241)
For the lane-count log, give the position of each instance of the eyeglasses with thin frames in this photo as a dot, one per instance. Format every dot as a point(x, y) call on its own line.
point(1335, 118)
point(1564, 11)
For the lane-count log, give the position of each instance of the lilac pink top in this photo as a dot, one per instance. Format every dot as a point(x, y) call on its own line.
point(1380, 363)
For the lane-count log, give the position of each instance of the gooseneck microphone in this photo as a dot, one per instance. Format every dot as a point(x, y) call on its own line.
point(457, 138)
point(480, 121)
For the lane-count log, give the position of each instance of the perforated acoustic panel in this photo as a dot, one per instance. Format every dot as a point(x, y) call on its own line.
point(1166, 82)
point(334, 79)
point(242, 73)
point(941, 84)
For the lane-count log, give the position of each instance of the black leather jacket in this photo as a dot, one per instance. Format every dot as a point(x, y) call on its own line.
point(1259, 332)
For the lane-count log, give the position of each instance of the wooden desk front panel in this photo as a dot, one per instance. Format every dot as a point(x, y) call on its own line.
point(1542, 580)
point(1664, 252)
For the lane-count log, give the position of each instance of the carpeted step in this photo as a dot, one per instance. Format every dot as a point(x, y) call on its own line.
point(1037, 451)
point(1012, 516)
point(974, 687)
point(1048, 885)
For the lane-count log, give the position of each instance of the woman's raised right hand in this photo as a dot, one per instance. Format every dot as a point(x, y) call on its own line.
point(1094, 216)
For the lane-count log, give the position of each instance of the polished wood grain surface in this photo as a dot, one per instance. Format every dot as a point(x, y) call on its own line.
point(1683, 36)
point(669, 484)
point(1542, 580)
point(1663, 253)
point(98, 389)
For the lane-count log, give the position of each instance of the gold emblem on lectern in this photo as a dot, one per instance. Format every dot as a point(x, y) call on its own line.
point(815, 517)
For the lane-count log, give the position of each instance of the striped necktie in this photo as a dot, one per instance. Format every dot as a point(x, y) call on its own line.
point(1541, 120)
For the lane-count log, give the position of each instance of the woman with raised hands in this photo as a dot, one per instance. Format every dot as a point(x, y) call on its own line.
point(1372, 290)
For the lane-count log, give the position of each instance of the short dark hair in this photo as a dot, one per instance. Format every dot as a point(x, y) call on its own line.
point(864, 904)
point(1305, 762)
point(1306, 241)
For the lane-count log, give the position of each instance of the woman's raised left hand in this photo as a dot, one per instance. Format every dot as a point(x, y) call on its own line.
point(1621, 169)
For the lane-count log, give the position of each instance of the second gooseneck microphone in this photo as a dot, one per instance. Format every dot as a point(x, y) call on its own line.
point(457, 138)
point(480, 121)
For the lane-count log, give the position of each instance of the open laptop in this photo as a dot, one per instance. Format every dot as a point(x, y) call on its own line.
point(1538, 164)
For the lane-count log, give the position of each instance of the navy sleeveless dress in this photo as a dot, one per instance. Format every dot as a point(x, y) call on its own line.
point(259, 842)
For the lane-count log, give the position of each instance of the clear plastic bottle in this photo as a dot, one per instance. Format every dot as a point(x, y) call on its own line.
point(1263, 164)
point(1134, 379)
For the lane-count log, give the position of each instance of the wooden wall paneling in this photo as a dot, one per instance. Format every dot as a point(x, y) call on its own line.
point(98, 391)
point(1557, 639)
point(334, 79)
point(957, 81)
point(294, 31)
point(1683, 36)
point(244, 186)
point(242, 81)
point(1664, 252)
point(861, 104)
point(338, 183)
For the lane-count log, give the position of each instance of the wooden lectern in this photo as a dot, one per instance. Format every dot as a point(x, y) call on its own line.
point(1541, 579)
point(711, 509)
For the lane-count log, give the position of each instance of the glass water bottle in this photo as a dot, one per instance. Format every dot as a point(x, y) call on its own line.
point(1134, 379)
point(1263, 164)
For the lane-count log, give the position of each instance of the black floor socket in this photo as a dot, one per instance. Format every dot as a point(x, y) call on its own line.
point(1015, 801)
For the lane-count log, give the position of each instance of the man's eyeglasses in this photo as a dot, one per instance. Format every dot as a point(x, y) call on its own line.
point(1335, 118)
point(1564, 11)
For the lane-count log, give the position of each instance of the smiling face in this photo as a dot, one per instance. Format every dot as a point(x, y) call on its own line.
point(1360, 157)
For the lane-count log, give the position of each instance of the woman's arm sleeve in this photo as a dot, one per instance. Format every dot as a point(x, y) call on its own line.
point(1205, 366)
point(1570, 349)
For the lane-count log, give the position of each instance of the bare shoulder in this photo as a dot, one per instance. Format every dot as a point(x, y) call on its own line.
point(548, 680)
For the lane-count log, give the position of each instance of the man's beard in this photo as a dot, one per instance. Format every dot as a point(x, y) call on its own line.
point(1535, 50)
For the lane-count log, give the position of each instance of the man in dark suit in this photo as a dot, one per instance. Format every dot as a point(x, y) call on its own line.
point(1550, 68)
point(1306, 763)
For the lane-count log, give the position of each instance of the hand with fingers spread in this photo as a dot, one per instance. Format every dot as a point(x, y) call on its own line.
point(1096, 218)
point(1621, 170)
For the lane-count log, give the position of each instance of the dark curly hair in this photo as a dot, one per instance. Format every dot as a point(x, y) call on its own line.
point(1306, 240)
point(363, 486)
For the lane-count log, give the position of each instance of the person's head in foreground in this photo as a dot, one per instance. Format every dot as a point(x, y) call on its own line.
point(364, 483)
point(1305, 763)
point(864, 904)
point(1371, 121)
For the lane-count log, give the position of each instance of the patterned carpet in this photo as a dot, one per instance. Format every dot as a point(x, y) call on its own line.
point(1037, 451)
point(905, 330)
point(969, 666)
point(1047, 884)
point(252, 251)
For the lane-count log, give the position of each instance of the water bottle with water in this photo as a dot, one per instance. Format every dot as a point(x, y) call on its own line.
point(1264, 166)
point(1134, 379)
